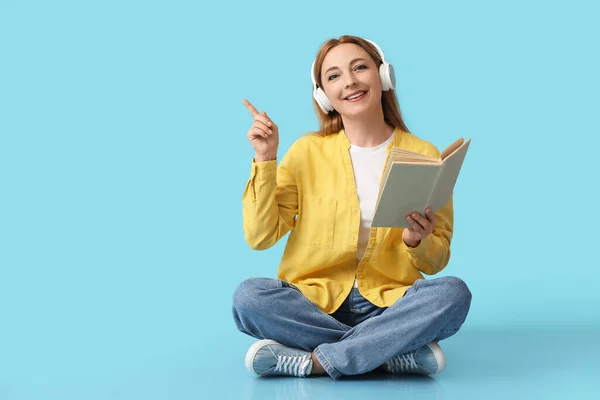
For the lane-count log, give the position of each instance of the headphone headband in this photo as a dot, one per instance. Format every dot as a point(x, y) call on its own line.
point(377, 48)
point(379, 51)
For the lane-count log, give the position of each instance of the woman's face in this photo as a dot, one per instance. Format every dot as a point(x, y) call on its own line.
point(351, 81)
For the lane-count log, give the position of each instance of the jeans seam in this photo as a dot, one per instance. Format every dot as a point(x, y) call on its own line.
point(331, 371)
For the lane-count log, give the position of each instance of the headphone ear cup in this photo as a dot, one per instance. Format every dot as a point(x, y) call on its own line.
point(388, 78)
point(322, 100)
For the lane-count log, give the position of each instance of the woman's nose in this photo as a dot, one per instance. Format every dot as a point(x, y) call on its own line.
point(350, 80)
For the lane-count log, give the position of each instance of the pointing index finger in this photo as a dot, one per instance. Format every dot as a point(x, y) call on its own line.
point(250, 107)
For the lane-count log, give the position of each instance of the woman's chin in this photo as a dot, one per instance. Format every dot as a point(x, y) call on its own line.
point(355, 111)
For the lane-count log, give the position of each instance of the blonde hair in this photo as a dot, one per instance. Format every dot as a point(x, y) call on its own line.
point(332, 122)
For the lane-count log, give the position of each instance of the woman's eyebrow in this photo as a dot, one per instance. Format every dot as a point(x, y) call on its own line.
point(350, 63)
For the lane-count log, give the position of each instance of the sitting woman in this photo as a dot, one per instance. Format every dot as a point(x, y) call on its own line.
point(349, 298)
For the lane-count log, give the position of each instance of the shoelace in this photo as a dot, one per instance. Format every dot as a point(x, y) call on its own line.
point(402, 363)
point(292, 364)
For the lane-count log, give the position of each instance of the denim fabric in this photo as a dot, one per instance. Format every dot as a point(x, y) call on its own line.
point(359, 336)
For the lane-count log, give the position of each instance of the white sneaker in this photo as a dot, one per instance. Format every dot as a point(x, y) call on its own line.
point(426, 360)
point(268, 357)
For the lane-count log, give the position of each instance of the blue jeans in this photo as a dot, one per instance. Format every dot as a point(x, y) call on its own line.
point(359, 337)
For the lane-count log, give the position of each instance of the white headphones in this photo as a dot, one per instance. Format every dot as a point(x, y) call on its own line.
point(386, 72)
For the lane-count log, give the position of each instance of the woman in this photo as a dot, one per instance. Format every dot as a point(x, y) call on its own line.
point(348, 298)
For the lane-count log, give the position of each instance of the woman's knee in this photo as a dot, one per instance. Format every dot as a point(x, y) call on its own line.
point(456, 290)
point(248, 292)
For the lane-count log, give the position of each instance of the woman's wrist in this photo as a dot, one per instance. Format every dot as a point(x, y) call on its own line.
point(411, 243)
point(265, 157)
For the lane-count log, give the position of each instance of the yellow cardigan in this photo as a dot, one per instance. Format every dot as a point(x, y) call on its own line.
point(313, 193)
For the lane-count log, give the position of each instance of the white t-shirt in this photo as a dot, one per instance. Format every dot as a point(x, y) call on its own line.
point(368, 164)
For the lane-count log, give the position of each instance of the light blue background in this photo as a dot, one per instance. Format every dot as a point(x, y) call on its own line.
point(123, 159)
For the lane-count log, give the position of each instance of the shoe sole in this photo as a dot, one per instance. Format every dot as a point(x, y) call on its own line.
point(249, 362)
point(439, 356)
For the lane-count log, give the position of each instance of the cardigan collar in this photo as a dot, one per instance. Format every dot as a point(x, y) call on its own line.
point(345, 142)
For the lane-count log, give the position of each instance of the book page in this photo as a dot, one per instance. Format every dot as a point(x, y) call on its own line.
point(399, 154)
point(447, 180)
point(452, 148)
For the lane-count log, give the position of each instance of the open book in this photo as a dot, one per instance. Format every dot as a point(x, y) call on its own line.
point(413, 182)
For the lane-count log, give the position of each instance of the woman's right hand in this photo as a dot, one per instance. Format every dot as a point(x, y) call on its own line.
point(263, 134)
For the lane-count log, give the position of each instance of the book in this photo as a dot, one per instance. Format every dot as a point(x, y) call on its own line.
point(413, 182)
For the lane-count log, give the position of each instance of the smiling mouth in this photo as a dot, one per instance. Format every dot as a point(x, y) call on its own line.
point(356, 97)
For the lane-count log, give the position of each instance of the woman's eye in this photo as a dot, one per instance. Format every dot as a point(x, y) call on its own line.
point(361, 67)
point(333, 76)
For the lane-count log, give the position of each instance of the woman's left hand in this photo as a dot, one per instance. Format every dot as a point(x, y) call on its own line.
point(421, 227)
